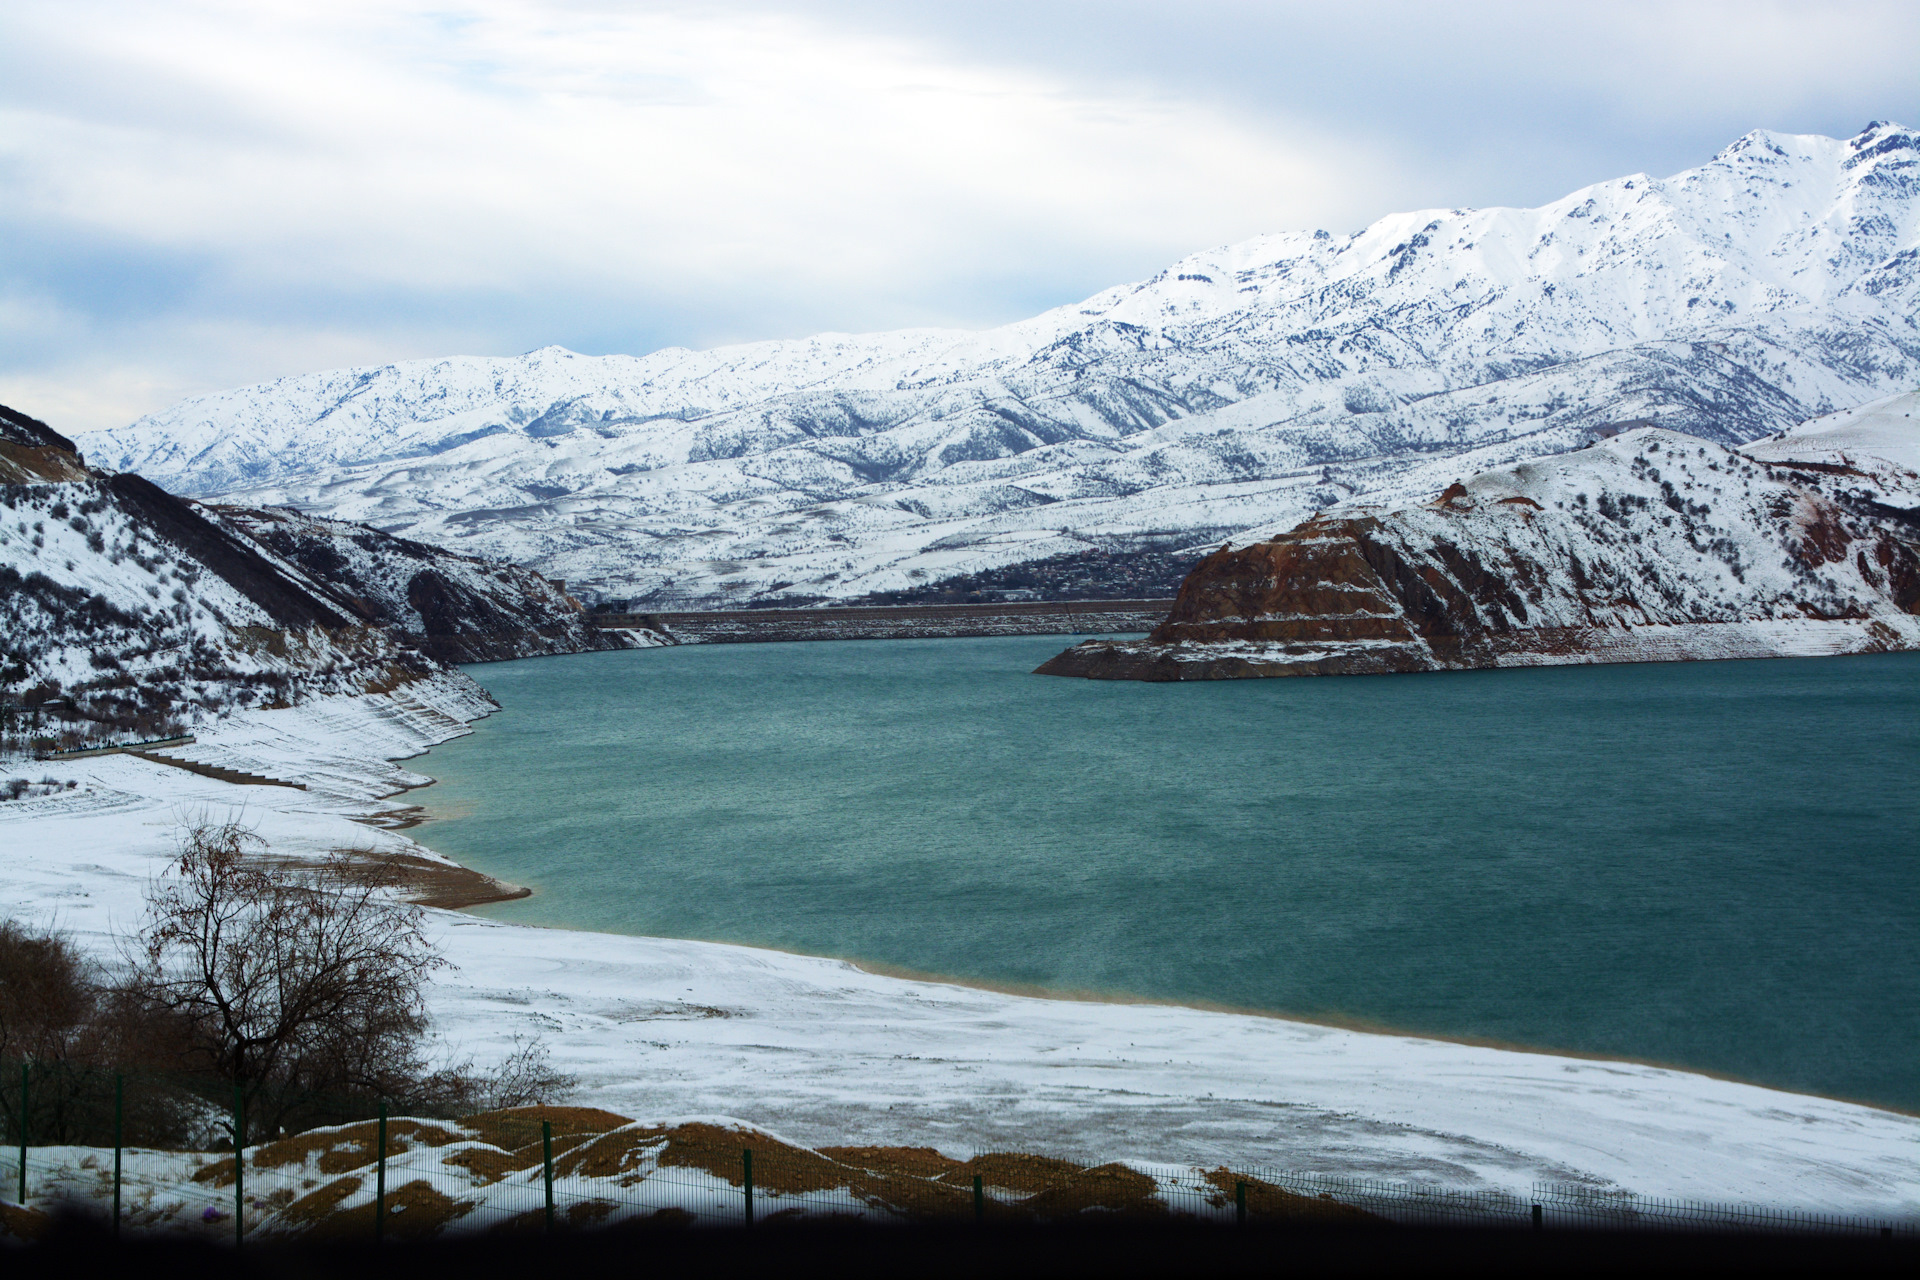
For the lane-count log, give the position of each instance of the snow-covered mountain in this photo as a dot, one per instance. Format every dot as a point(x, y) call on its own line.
point(1231, 395)
point(125, 610)
point(1648, 546)
point(455, 608)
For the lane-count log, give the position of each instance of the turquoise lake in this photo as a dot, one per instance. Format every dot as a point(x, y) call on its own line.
point(1715, 865)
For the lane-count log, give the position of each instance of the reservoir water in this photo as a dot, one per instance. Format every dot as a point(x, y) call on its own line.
point(1715, 865)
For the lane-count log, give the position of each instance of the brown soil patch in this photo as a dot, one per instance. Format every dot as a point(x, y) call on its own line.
point(1012, 1171)
point(520, 1127)
point(1269, 1203)
point(393, 676)
point(350, 1146)
point(1107, 1188)
point(318, 1205)
point(489, 1164)
point(425, 881)
point(219, 1173)
point(436, 884)
point(777, 1167)
point(405, 818)
point(414, 1212)
point(36, 464)
point(21, 1223)
point(584, 1213)
point(611, 1155)
point(911, 1162)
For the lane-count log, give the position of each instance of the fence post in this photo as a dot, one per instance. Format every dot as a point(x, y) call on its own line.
point(546, 1155)
point(24, 1068)
point(119, 1109)
point(1536, 1217)
point(380, 1183)
point(1240, 1203)
point(746, 1166)
point(979, 1202)
point(239, 1165)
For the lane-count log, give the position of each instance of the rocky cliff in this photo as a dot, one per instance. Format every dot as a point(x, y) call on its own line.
point(455, 608)
point(1648, 546)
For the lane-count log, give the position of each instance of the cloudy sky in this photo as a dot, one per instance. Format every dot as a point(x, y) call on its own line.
point(199, 195)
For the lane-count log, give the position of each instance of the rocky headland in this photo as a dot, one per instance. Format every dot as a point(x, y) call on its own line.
point(1649, 546)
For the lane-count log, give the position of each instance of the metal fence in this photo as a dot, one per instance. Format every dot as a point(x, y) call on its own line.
point(85, 1144)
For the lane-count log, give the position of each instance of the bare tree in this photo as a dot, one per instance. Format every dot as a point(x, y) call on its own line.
point(47, 995)
point(301, 984)
point(525, 1078)
point(73, 1031)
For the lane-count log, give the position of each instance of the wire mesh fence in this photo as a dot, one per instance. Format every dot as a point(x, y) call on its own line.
point(156, 1155)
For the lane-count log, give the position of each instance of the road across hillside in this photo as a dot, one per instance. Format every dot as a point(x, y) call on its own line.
point(901, 622)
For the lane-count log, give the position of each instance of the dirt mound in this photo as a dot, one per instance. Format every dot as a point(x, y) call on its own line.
point(17, 1223)
point(415, 1211)
point(612, 1172)
point(350, 1146)
point(1012, 1171)
point(777, 1167)
point(1107, 1189)
point(520, 1127)
point(912, 1162)
point(1268, 1203)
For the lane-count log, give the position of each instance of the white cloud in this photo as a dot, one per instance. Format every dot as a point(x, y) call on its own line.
point(526, 149)
point(197, 194)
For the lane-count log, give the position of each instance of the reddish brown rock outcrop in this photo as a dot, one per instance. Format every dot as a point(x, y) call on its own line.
point(1651, 547)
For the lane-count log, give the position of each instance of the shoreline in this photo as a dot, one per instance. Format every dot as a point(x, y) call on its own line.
point(447, 883)
point(841, 1053)
point(421, 815)
point(1331, 1021)
point(1356, 1023)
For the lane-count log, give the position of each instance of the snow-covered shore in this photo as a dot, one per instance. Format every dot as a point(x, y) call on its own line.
point(824, 1052)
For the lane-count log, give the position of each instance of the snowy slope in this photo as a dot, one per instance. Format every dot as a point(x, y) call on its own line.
point(1881, 439)
point(457, 608)
point(1242, 387)
point(1650, 545)
point(137, 613)
point(118, 597)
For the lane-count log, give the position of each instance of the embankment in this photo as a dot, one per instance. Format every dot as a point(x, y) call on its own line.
point(899, 622)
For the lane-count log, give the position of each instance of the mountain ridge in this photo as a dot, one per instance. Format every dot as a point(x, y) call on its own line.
point(1241, 388)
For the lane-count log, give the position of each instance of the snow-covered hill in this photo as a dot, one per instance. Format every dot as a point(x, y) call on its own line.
point(1236, 392)
point(1880, 439)
point(1648, 546)
point(455, 608)
point(126, 611)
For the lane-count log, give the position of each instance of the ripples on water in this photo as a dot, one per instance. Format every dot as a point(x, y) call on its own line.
point(1711, 864)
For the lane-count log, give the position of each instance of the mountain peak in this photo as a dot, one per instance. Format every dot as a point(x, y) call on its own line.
point(1241, 388)
point(1883, 139)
